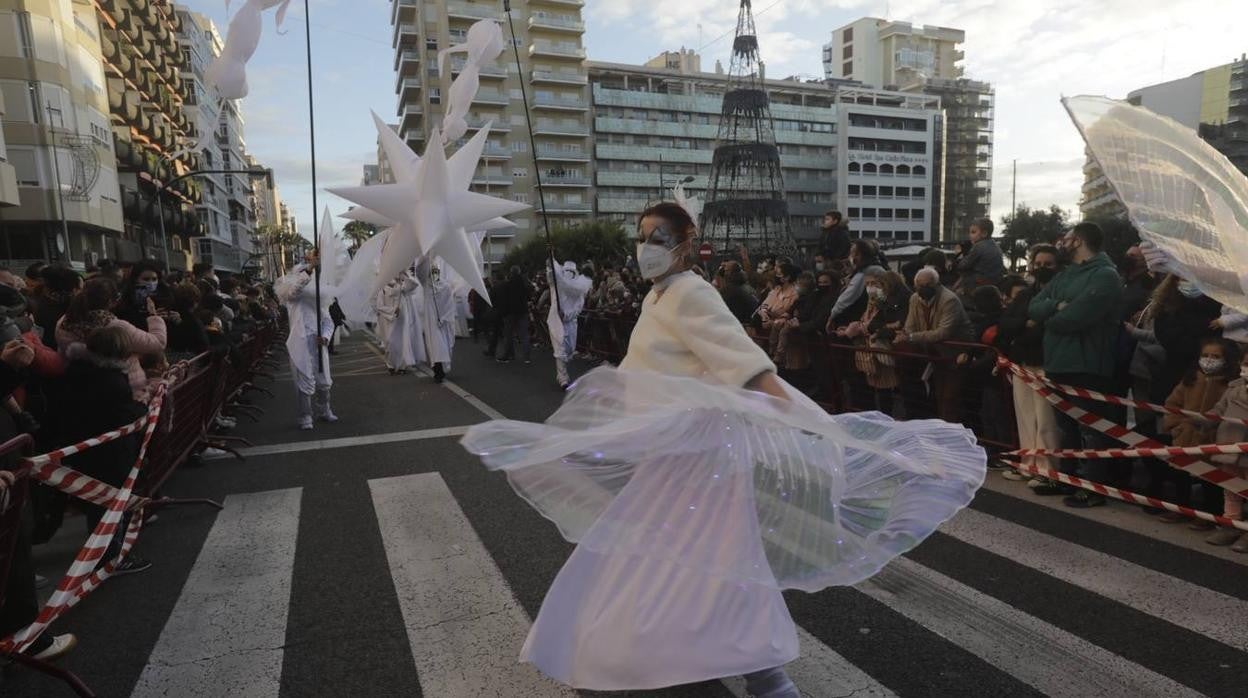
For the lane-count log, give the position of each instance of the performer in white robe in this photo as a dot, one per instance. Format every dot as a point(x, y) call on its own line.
point(304, 343)
point(572, 288)
point(437, 320)
point(698, 485)
point(405, 346)
point(387, 305)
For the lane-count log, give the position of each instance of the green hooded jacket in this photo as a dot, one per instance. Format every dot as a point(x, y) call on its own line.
point(1082, 336)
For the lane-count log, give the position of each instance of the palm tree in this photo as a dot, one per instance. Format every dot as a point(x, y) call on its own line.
point(357, 233)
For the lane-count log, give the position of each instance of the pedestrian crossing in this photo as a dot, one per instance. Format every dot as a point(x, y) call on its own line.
point(465, 626)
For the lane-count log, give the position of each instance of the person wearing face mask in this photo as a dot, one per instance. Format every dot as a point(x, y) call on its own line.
point(1021, 339)
point(695, 433)
point(1181, 322)
point(737, 294)
point(438, 318)
point(565, 311)
point(888, 302)
point(145, 281)
point(1233, 407)
point(1200, 390)
point(777, 308)
point(936, 315)
point(310, 329)
point(864, 258)
point(1081, 310)
point(92, 310)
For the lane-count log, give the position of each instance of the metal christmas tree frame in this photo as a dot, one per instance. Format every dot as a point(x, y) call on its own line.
point(745, 202)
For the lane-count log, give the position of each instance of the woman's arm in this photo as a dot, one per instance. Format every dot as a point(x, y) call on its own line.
point(766, 382)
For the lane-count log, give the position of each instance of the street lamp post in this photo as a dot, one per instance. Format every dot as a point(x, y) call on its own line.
point(56, 167)
point(160, 205)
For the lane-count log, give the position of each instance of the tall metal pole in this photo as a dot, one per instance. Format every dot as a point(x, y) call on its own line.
point(60, 192)
point(1014, 190)
point(316, 233)
point(537, 170)
point(164, 241)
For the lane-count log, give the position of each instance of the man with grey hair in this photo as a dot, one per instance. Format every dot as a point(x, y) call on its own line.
point(984, 264)
point(936, 315)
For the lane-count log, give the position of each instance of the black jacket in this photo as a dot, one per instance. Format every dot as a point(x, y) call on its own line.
point(1180, 332)
point(740, 301)
point(834, 242)
point(514, 298)
point(102, 402)
point(895, 309)
point(813, 311)
point(1022, 344)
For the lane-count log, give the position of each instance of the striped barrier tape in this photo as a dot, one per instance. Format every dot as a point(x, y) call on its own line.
point(86, 573)
point(1187, 463)
point(1162, 453)
point(1114, 399)
point(1126, 495)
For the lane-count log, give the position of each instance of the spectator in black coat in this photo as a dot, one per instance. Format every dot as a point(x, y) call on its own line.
point(834, 238)
point(737, 294)
point(60, 283)
point(1182, 319)
point(513, 305)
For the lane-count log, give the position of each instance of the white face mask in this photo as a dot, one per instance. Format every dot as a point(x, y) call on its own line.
point(875, 293)
point(653, 261)
point(1243, 372)
point(1210, 365)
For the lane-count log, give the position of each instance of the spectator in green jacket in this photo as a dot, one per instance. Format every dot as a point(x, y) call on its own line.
point(1080, 311)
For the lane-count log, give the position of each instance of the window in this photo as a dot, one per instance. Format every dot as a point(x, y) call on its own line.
point(519, 147)
point(847, 52)
point(435, 95)
point(847, 69)
point(903, 214)
point(855, 167)
point(853, 212)
point(919, 192)
point(27, 167)
point(855, 190)
point(847, 35)
point(519, 172)
point(916, 214)
point(919, 170)
point(886, 214)
point(869, 168)
point(431, 44)
point(868, 190)
point(903, 192)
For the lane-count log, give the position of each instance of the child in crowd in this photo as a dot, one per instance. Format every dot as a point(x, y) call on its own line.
point(1199, 391)
point(1233, 405)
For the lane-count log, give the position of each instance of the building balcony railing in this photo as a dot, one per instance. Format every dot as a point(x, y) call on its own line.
point(493, 180)
point(556, 23)
point(565, 3)
point(404, 32)
point(491, 97)
point(487, 71)
point(550, 128)
point(404, 86)
point(572, 102)
point(402, 9)
point(567, 206)
point(546, 48)
point(565, 181)
point(500, 125)
point(407, 62)
point(468, 10)
point(497, 152)
point(545, 152)
point(559, 77)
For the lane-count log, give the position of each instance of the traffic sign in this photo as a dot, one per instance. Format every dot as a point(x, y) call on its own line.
point(705, 252)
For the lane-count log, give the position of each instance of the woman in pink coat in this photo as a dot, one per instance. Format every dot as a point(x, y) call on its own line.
point(91, 310)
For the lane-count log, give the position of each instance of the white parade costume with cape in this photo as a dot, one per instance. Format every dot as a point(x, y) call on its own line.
point(405, 346)
point(438, 321)
point(694, 502)
point(387, 305)
point(302, 344)
point(572, 288)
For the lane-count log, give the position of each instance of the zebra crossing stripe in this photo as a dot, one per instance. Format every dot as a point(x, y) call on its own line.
point(1051, 660)
point(226, 632)
point(1176, 601)
point(824, 673)
point(464, 625)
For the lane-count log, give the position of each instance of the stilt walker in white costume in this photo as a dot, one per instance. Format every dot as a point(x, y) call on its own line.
point(438, 319)
point(405, 347)
point(387, 305)
point(698, 486)
point(304, 343)
point(572, 288)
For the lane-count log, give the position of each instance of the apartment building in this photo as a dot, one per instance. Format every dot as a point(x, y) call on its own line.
point(59, 194)
point(964, 146)
point(884, 53)
point(551, 70)
point(655, 127)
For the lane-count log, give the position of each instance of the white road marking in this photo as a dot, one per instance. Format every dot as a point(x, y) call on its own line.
point(464, 625)
point(349, 442)
point(1200, 610)
point(226, 633)
point(822, 673)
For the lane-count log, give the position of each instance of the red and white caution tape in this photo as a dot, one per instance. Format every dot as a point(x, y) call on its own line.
point(86, 573)
point(1127, 496)
point(1114, 399)
point(1133, 440)
point(1163, 453)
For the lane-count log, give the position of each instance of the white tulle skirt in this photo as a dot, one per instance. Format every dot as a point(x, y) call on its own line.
point(693, 505)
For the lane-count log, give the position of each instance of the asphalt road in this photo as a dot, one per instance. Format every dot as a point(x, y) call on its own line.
point(374, 557)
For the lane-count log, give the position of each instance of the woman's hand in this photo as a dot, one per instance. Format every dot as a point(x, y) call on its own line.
point(17, 354)
point(766, 382)
point(150, 306)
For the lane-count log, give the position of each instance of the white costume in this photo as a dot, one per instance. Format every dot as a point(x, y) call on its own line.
point(405, 347)
point(311, 384)
point(463, 312)
point(695, 502)
point(572, 288)
point(387, 305)
point(438, 320)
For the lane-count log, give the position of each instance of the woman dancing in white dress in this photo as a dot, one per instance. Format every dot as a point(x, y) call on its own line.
point(698, 486)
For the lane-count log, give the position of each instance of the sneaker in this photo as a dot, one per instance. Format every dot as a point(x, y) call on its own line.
point(1050, 489)
point(1084, 499)
point(1035, 482)
point(503, 361)
point(1225, 536)
point(131, 565)
point(998, 464)
point(528, 362)
point(305, 424)
point(1202, 525)
point(53, 649)
point(328, 417)
point(1172, 517)
point(42, 582)
point(213, 453)
point(1014, 475)
point(1241, 546)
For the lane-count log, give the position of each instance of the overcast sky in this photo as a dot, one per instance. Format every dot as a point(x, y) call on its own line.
point(1033, 51)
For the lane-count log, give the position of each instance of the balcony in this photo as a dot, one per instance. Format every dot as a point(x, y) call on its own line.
point(496, 152)
point(548, 152)
point(409, 116)
point(558, 78)
point(406, 88)
point(402, 10)
point(557, 23)
point(500, 124)
point(550, 128)
point(404, 33)
point(474, 11)
point(485, 71)
point(631, 206)
point(407, 62)
point(491, 97)
point(563, 3)
point(561, 101)
point(574, 207)
point(549, 180)
point(553, 50)
point(492, 180)
point(647, 180)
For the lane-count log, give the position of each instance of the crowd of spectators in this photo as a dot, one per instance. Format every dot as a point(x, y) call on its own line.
point(80, 356)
